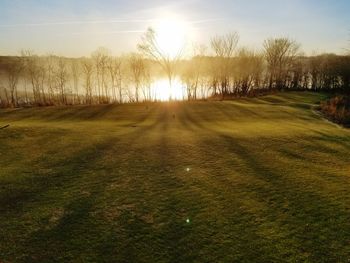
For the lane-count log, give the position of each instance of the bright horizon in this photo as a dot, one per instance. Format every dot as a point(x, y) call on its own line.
point(76, 29)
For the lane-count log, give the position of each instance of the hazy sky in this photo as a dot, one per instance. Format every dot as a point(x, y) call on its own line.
point(76, 28)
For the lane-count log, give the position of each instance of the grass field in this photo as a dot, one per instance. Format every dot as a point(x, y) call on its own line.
point(253, 180)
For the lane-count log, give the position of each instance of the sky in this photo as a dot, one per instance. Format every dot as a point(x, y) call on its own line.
point(76, 28)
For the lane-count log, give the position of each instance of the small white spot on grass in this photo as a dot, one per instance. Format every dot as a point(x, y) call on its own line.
point(188, 221)
point(188, 169)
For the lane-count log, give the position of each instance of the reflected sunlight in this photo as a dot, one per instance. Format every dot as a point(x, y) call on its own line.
point(161, 90)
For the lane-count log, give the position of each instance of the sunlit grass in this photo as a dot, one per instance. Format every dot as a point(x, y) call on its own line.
point(254, 180)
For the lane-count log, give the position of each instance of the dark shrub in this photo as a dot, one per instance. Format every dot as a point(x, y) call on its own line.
point(337, 109)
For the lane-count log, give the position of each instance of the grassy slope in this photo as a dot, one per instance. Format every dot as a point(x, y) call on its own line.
point(268, 180)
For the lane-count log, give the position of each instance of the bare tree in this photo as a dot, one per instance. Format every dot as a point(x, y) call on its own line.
point(100, 57)
point(50, 78)
point(13, 70)
point(193, 73)
point(36, 72)
point(114, 66)
point(61, 76)
point(2, 101)
point(137, 68)
point(248, 71)
point(232, 71)
point(88, 70)
point(75, 71)
point(280, 54)
point(146, 83)
point(169, 62)
point(224, 48)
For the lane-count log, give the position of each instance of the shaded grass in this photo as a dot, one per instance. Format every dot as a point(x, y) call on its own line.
point(260, 180)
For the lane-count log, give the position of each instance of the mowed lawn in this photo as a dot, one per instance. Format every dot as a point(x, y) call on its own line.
point(252, 180)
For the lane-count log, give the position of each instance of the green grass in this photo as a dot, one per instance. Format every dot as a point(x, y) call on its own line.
point(252, 180)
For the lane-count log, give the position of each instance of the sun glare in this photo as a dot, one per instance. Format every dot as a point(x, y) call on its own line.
point(162, 91)
point(171, 36)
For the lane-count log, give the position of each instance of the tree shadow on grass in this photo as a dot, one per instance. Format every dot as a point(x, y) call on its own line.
point(230, 111)
point(155, 229)
point(81, 113)
point(79, 233)
point(188, 121)
point(67, 167)
point(310, 221)
point(343, 139)
point(315, 220)
point(76, 184)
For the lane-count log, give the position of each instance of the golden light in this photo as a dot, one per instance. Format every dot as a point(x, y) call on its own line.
point(171, 35)
point(162, 91)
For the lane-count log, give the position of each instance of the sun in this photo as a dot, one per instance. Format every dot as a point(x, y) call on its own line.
point(171, 35)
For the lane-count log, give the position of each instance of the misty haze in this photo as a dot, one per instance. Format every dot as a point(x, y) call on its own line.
point(174, 131)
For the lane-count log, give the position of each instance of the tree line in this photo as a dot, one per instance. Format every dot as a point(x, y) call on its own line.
point(226, 70)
